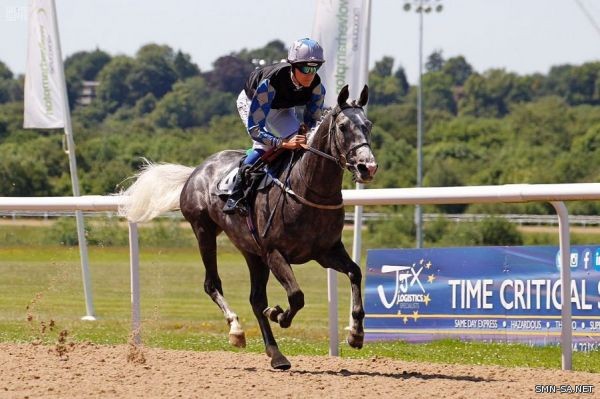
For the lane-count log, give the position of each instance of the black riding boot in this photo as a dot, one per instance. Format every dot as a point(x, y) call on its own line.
point(236, 200)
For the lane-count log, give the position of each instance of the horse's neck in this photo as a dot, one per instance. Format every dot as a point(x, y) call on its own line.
point(319, 176)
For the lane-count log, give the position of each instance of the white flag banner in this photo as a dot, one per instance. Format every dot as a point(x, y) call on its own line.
point(44, 75)
point(342, 28)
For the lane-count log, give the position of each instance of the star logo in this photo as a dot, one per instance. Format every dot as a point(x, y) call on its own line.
point(415, 315)
point(426, 299)
point(430, 278)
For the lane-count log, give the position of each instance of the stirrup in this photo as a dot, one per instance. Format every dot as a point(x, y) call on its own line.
point(230, 206)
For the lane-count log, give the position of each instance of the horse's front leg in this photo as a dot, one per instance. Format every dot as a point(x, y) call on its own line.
point(339, 260)
point(259, 275)
point(282, 271)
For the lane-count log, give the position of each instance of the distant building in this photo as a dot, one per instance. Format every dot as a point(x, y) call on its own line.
point(87, 92)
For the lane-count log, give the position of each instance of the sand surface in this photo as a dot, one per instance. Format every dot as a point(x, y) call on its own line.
point(125, 371)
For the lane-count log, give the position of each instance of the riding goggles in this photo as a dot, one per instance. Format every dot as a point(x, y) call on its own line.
point(308, 69)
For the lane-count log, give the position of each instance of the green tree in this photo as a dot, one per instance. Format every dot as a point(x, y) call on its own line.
point(435, 62)
point(229, 74)
point(272, 53)
point(184, 67)
point(191, 103)
point(153, 72)
point(458, 69)
point(385, 88)
point(437, 92)
point(489, 94)
point(113, 89)
point(384, 66)
point(400, 76)
point(577, 84)
point(10, 89)
point(82, 66)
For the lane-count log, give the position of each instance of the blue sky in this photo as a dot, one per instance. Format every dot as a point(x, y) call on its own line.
point(522, 36)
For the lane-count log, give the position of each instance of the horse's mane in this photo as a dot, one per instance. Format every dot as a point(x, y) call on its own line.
point(324, 114)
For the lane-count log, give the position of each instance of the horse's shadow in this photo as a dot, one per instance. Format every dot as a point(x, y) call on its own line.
point(404, 375)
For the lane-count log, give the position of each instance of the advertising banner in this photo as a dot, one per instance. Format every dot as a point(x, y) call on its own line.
point(342, 28)
point(44, 82)
point(504, 294)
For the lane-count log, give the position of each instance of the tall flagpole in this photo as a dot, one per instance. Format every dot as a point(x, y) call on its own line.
point(83, 252)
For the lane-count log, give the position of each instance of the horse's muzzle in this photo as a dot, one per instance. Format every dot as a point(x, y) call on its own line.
point(364, 172)
point(365, 166)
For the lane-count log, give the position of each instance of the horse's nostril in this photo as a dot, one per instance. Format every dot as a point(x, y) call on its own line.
point(362, 168)
point(372, 168)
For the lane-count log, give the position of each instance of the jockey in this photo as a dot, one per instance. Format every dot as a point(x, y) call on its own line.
point(266, 106)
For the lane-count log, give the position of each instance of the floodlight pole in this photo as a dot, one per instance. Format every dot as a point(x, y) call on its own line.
point(418, 210)
point(421, 6)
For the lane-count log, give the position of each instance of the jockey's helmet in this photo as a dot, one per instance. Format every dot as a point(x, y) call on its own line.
point(306, 51)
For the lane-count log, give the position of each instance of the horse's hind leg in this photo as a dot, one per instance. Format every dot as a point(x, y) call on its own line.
point(259, 276)
point(206, 234)
point(338, 259)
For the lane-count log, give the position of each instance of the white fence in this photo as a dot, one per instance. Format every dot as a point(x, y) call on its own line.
point(552, 193)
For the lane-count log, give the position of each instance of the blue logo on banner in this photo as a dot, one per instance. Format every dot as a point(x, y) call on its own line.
point(597, 260)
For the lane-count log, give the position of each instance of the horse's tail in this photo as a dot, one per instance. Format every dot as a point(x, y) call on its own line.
point(157, 189)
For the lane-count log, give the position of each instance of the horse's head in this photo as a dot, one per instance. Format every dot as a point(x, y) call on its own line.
point(351, 131)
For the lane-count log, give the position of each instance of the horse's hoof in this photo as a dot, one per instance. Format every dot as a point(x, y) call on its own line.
point(238, 339)
point(280, 362)
point(272, 312)
point(355, 340)
point(284, 322)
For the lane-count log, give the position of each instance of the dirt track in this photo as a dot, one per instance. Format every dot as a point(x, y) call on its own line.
point(93, 371)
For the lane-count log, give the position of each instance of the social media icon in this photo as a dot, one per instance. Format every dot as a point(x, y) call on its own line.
point(558, 260)
point(574, 260)
point(586, 257)
point(597, 260)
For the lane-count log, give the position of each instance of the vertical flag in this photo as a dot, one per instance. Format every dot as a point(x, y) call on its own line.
point(342, 28)
point(44, 77)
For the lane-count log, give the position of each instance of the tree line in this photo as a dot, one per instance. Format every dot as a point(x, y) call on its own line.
point(481, 128)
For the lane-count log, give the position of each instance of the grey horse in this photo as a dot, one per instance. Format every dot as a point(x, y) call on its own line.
point(299, 221)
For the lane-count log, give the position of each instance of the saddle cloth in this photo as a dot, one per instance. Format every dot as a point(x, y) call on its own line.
point(225, 185)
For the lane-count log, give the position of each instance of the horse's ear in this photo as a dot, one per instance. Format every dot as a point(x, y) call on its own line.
point(364, 96)
point(343, 96)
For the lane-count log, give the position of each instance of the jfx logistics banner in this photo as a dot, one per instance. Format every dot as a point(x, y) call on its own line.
point(508, 294)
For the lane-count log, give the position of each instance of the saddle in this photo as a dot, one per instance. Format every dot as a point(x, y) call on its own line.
point(259, 178)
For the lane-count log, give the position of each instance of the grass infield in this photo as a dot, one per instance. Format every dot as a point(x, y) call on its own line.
point(41, 294)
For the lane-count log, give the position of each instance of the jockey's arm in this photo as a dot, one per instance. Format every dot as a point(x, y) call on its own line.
point(314, 107)
point(260, 107)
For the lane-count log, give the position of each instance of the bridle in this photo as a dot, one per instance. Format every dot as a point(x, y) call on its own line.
point(342, 159)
